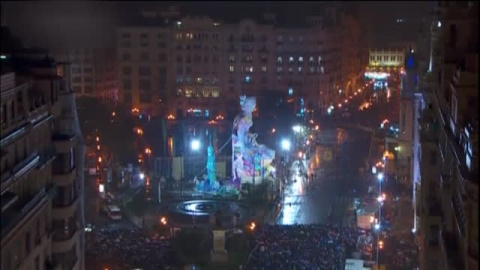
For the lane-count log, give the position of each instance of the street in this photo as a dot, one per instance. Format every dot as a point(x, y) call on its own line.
point(330, 194)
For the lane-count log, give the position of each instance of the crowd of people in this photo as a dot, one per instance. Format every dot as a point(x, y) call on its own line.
point(127, 249)
point(318, 246)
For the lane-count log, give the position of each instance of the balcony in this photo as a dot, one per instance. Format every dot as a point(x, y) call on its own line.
point(64, 142)
point(64, 242)
point(15, 216)
point(450, 250)
point(65, 179)
point(65, 212)
point(19, 170)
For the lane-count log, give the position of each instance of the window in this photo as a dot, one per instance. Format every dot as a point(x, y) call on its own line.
point(300, 69)
point(290, 91)
point(144, 35)
point(28, 243)
point(392, 58)
point(127, 70)
point(215, 93)
point(279, 60)
point(76, 70)
point(231, 58)
point(127, 97)
point(248, 79)
point(77, 80)
point(385, 58)
point(319, 60)
point(144, 71)
point(162, 57)
point(76, 89)
point(264, 69)
point(126, 57)
point(88, 89)
point(379, 58)
point(125, 35)
point(231, 68)
point(279, 69)
point(179, 58)
point(88, 79)
point(127, 84)
point(144, 56)
point(311, 59)
point(145, 85)
point(161, 35)
point(250, 69)
point(300, 59)
point(290, 60)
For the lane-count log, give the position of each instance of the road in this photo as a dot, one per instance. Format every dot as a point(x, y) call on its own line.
point(330, 195)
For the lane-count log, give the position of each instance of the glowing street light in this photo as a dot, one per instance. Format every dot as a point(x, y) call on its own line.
point(142, 176)
point(377, 226)
point(297, 128)
point(252, 226)
point(195, 144)
point(380, 176)
point(274, 130)
point(163, 220)
point(286, 144)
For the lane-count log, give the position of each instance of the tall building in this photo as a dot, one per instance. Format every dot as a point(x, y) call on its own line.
point(449, 141)
point(188, 64)
point(92, 72)
point(41, 165)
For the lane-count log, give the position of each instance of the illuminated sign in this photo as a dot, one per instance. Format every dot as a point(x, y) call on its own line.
point(377, 75)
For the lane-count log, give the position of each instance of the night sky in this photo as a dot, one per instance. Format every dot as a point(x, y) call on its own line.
point(91, 24)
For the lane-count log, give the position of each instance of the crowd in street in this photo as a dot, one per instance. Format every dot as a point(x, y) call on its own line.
point(316, 246)
point(127, 249)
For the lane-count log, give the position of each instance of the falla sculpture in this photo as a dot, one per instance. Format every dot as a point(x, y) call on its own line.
point(251, 162)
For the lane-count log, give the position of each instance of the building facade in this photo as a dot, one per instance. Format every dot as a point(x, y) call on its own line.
point(386, 57)
point(206, 61)
point(449, 142)
point(92, 72)
point(41, 166)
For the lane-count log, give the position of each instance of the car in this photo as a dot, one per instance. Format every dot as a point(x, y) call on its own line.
point(113, 212)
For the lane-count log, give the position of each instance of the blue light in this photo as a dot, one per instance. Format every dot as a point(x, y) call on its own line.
point(410, 62)
point(290, 91)
point(207, 113)
point(248, 79)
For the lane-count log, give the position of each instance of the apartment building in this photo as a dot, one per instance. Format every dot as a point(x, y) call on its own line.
point(206, 60)
point(387, 57)
point(41, 166)
point(92, 72)
point(449, 142)
point(144, 59)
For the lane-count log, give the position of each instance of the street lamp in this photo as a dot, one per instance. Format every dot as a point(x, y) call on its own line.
point(380, 177)
point(195, 145)
point(286, 145)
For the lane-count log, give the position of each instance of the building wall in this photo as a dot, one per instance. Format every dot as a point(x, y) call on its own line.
point(451, 100)
point(42, 214)
point(387, 57)
point(208, 61)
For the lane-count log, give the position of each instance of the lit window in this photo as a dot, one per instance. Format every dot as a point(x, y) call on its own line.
point(215, 93)
point(290, 70)
point(323, 71)
point(312, 69)
point(290, 60)
point(231, 58)
point(279, 60)
point(290, 91)
point(300, 69)
point(231, 69)
point(248, 79)
point(311, 59)
point(279, 69)
point(319, 59)
point(250, 69)
point(300, 59)
point(264, 69)
point(199, 80)
point(188, 92)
